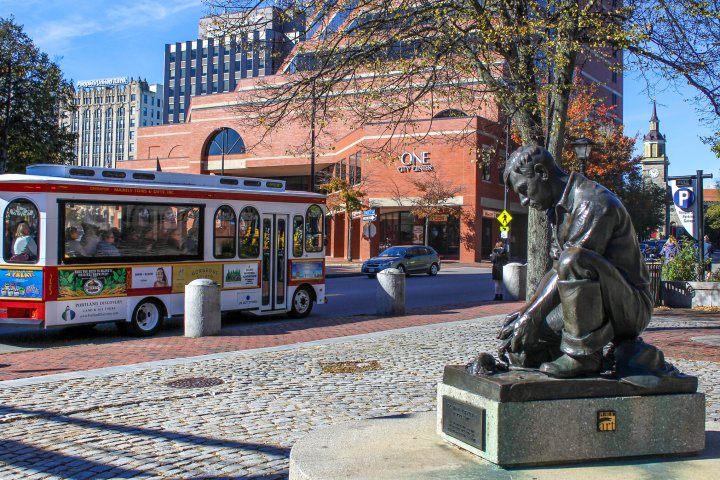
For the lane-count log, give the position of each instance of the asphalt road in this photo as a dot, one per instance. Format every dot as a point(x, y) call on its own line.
point(347, 296)
point(356, 295)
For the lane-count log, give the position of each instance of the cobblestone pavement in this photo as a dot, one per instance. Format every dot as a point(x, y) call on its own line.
point(234, 336)
point(134, 425)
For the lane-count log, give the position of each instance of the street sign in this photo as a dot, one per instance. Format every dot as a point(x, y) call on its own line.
point(369, 216)
point(503, 235)
point(504, 228)
point(684, 199)
point(369, 230)
point(504, 218)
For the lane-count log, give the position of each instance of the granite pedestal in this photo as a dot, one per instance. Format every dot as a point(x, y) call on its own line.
point(526, 418)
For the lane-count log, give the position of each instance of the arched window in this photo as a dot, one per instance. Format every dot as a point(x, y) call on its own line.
point(224, 229)
point(451, 113)
point(249, 233)
point(21, 222)
point(314, 222)
point(227, 141)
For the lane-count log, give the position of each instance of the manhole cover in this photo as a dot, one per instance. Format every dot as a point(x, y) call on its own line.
point(350, 367)
point(195, 382)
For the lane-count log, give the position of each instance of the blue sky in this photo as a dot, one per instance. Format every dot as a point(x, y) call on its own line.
point(102, 39)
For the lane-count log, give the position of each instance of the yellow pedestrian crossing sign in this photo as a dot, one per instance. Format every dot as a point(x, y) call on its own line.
point(504, 228)
point(504, 218)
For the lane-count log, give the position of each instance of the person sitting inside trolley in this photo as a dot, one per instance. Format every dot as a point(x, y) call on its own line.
point(73, 246)
point(106, 246)
point(24, 248)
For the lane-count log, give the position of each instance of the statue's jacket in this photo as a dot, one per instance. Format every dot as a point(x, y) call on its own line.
point(590, 216)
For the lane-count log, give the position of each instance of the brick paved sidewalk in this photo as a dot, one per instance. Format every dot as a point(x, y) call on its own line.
point(674, 341)
point(269, 333)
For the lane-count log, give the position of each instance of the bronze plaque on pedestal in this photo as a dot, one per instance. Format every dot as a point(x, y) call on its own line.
point(464, 422)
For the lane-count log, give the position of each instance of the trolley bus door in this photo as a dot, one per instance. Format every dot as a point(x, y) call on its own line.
point(274, 262)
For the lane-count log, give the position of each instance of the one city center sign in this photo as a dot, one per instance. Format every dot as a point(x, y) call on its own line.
point(412, 162)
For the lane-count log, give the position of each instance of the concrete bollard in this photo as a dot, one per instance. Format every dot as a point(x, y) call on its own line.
point(515, 280)
point(390, 292)
point(202, 308)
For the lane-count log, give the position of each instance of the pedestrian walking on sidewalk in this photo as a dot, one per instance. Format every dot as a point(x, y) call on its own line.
point(499, 259)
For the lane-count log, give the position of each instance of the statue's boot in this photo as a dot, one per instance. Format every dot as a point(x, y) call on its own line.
point(586, 330)
point(570, 367)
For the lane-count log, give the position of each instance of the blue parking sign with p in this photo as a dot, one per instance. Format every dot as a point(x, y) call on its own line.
point(684, 198)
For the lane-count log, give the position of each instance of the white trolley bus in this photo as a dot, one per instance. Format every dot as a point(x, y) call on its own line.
point(87, 245)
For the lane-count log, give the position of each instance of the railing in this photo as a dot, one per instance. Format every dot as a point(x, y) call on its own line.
point(655, 268)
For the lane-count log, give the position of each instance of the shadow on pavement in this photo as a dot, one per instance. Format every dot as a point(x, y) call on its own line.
point(32, 458)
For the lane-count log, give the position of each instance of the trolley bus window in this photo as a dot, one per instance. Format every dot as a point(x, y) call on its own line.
point(99, 231)
point(314, 229)
point(249, 233)
point(21, 224)
point(224, 239)
point(298, 236)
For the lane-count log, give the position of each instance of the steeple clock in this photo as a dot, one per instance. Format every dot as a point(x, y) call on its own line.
point(655, 161)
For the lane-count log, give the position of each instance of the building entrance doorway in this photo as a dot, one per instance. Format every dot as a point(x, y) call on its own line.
point(444, 236)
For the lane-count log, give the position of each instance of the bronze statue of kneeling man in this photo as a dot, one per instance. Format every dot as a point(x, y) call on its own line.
point(597, 296)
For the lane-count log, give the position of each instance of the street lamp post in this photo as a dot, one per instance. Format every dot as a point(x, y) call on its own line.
point(583, 146)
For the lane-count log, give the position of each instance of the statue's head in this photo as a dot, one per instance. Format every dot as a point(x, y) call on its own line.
point(531, 172)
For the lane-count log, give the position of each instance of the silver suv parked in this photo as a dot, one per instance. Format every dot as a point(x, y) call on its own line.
point(407, 258)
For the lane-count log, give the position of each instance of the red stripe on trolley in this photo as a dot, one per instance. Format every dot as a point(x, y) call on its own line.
point(156, 191)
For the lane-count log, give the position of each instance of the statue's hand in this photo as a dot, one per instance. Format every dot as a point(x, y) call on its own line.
point(518, 330)
point(508, 327)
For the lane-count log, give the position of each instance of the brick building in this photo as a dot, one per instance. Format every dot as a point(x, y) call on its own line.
point(466, 152)
point(463, 150)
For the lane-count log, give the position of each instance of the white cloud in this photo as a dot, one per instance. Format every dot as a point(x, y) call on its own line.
point(57, 34)
point(146, 12)
point(61, 32)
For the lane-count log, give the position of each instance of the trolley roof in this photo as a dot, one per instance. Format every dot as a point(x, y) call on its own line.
point(48, 173)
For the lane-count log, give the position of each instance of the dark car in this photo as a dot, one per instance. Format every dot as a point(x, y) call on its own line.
point(406, 258)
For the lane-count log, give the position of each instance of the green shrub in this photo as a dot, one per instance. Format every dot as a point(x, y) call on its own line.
point(684, 267)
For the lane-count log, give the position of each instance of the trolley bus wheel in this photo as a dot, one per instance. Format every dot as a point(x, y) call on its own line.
point(146, 318)
point(302, 303)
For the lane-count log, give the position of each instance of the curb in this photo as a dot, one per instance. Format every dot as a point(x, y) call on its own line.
point(344, 274)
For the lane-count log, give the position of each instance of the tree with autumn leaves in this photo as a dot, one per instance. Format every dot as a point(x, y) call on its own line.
point(611, 162)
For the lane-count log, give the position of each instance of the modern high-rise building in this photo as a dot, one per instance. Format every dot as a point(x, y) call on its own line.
point(109, 112)
point(212, 64)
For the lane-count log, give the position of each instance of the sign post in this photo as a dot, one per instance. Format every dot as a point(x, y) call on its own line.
point(687, 192)
point(504, 218)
